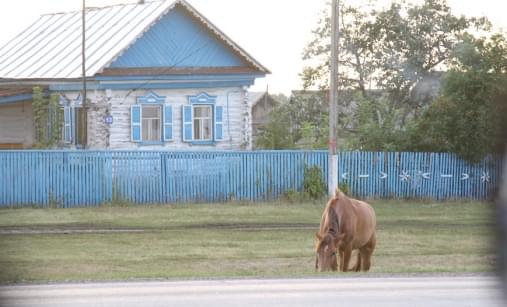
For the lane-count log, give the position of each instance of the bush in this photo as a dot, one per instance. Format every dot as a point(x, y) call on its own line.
point(313, 185)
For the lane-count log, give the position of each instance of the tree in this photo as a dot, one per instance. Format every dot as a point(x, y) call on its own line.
point(391, 50)
point(470, 117)
point(298, 122)
point(315, 136)
point(376, 127)
point(277, 133)
point(308, 113)
point(48, 119)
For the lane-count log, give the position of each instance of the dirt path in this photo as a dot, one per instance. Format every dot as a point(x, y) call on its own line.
point(90, 228)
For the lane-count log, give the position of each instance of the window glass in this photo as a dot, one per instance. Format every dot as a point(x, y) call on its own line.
point(202, 123)
point(202, 111)
point(151, 119)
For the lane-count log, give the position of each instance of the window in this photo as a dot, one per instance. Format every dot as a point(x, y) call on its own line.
point(75, 125)
point(202, 123)
point(151, 120)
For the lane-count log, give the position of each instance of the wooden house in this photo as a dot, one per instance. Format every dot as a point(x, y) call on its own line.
point(159, 75)
point(262, 106)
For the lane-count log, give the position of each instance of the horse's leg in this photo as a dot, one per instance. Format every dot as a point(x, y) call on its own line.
point(366, 257)
point(347, 252)
point(367, 251)
point(357, 267)
point(342, 257)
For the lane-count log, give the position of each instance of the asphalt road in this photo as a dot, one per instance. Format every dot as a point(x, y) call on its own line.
point(348, 291)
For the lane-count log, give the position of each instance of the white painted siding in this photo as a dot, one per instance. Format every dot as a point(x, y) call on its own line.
point(117, 135)
point(16, 124)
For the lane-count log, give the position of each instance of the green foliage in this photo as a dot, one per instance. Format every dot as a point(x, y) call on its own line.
point(376, 127)
point(308, 115)
point(469, 118)
point(39, 114)
point(395, 50)
point(392, 48)
point(48, 119)
point(301, 122)
point(276, 134)
point(315, 135)
point(398, 51)
point(314, 188)
point(344, 187)
point(292, 196)
point(313, 185)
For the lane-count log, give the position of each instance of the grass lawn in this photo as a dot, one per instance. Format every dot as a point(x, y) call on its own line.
point(231, 240)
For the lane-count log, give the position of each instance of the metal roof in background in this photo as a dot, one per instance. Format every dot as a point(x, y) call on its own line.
point(51, 47)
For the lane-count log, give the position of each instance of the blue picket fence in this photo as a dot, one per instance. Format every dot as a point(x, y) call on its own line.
point(436, 176)
point(87, 178)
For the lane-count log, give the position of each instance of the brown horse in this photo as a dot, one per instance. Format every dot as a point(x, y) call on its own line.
point(347, 224)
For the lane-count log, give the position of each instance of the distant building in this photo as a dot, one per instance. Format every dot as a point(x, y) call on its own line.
point(426, 90)
point(159, 75)
point(262, 106)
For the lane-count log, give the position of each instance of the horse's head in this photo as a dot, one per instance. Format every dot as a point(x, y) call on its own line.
point(327, 247)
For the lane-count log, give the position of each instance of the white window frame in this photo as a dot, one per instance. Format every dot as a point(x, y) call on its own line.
point(150, 119)
point(202, 120)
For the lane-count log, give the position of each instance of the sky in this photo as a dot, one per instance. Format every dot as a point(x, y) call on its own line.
point(274, 32)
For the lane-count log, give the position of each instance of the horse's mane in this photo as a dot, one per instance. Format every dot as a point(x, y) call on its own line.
point(329, 225)
point(332, 221)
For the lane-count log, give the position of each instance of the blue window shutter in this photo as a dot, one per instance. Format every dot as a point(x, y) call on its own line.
point(168, 123)
point(135, 123)
point(187, 125)
point(67, 125)
point(219, 126)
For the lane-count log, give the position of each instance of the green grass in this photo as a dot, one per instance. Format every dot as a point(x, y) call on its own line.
point(231, 240)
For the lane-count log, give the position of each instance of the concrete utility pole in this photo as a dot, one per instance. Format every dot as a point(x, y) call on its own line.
point(333, 99)
point(82, 118)
point(83, 48)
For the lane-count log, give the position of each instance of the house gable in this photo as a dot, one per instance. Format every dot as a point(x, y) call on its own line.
point(178, 40)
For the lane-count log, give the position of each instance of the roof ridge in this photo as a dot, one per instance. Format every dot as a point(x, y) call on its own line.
point(95, 8)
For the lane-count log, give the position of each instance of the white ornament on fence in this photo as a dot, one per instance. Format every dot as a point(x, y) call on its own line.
point(485, 177)
point(405, 176)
